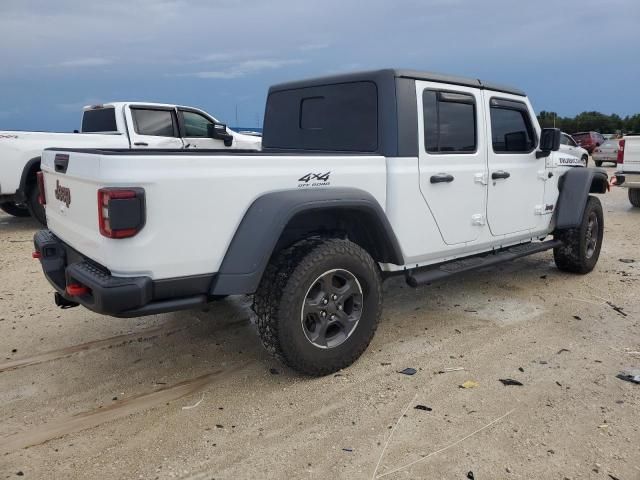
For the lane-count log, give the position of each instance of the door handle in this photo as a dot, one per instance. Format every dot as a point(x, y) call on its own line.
point(141, 144)
point(500, 174)
point(441, 178)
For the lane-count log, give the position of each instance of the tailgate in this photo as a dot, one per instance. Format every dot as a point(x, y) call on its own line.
point(71, 185)
point(631, 153)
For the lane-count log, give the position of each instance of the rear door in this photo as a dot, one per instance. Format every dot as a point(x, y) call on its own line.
point(195, 129)
point(516, 176)
point(453, 159)
point(153, 127)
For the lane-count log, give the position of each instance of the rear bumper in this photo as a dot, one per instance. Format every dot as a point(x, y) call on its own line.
point(628, 179)
point(113, 295)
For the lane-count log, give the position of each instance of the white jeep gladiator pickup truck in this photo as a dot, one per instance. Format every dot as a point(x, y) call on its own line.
point(628, 173)
point(132, 125)
point(362, 176)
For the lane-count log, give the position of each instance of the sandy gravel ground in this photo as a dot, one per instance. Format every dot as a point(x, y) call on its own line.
point(193, 394)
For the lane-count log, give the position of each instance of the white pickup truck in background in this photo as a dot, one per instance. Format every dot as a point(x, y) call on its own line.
point(628, 173)
point(126, 125)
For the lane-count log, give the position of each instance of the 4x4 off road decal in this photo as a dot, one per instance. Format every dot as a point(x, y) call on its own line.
point(314, 180)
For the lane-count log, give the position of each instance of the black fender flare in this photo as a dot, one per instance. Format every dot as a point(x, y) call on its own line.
point(575, 186)
point(265, 220)
point(33, 164)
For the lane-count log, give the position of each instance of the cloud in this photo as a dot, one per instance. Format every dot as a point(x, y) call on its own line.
point(307, 47)
point(243, 68)
point(85, 62)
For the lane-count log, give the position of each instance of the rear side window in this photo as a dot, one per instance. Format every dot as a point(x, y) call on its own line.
point(99, 120)
point(511, 128)
point(449, 122)
point(339, 117)
point(159, 123)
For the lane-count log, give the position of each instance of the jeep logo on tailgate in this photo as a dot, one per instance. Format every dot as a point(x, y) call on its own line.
point(63, 194)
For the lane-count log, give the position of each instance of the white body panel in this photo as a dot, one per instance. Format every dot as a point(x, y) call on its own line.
point(17, 148)
point(217, 190)
point(631, 154)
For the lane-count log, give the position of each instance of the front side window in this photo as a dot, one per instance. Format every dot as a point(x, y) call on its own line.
point(564, 139)
point(158, 123)
point(196, 125)
point(511, 130)
point(449, 122)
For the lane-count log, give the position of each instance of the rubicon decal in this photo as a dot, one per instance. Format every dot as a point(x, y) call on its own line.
point(63, 194)
point(314, 180)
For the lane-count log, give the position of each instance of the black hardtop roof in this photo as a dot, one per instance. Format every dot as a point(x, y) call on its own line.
point(386, 74)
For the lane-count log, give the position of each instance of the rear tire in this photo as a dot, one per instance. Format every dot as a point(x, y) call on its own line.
point(634, 196)
point(14, 209)
point(581, 245)
point(598, 163)
point(35, 209)
point(318, 305)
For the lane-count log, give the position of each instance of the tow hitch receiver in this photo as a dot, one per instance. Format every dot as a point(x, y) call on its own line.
point(63, 302)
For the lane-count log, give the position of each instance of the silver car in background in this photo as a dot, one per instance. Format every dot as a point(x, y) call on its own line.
point(607, 152)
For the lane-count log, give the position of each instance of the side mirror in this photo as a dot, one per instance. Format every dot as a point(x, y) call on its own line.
point(549, 142)
point(219, 132)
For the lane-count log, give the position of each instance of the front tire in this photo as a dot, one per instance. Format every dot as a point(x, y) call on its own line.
point(581, 245)
point(14, 209)
point(318, 305)
point(585, 159)
point(634, 196)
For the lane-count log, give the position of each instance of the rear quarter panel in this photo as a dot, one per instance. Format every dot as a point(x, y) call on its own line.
point(194, 202)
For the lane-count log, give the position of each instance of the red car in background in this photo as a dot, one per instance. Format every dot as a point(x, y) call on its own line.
point(588, 140)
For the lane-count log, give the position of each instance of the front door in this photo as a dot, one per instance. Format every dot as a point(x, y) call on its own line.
point(516, 176)
point(453, 159)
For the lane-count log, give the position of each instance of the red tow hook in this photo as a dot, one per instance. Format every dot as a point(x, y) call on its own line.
point(76, 290)
point(36, 254)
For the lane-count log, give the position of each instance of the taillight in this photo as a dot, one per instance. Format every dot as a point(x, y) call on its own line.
point(42, 199)
point(620, 158)
point(121, 211)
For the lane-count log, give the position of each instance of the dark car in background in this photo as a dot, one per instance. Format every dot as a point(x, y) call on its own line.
point(589, 140)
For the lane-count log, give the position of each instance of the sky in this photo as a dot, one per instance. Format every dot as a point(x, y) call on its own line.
point(221, 55)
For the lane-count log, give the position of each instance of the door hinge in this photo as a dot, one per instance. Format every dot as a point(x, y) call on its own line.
point(480, 178)
point(543, 175)
point(478, 219)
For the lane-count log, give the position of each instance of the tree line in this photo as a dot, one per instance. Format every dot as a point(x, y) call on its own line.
point(591, 121)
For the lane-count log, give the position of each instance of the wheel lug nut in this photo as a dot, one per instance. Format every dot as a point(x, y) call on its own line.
point(333, 317)
point(325, 301)
point(340, 307)
point(323, 314)
point(334, 297)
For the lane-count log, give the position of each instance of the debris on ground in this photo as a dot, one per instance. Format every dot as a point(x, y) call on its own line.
point(423, 407)
point(408, 371)
point(577, 317)
point(563, 350)
point(470, 384)
point(189, 407)
point(274, 371)
point(617, 309)
point(470, 476)
point(385, 364)
point(632, 376)
point(347, 449)
point(453, 369)
point(510, 381)
point(521, 369)
point(627, 260)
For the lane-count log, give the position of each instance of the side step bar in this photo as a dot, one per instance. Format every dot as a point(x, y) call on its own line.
point(431, 273)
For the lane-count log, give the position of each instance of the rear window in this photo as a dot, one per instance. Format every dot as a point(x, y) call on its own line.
point(449, 122)
point(581, 136)
point(99, 120)
point(340, 117)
